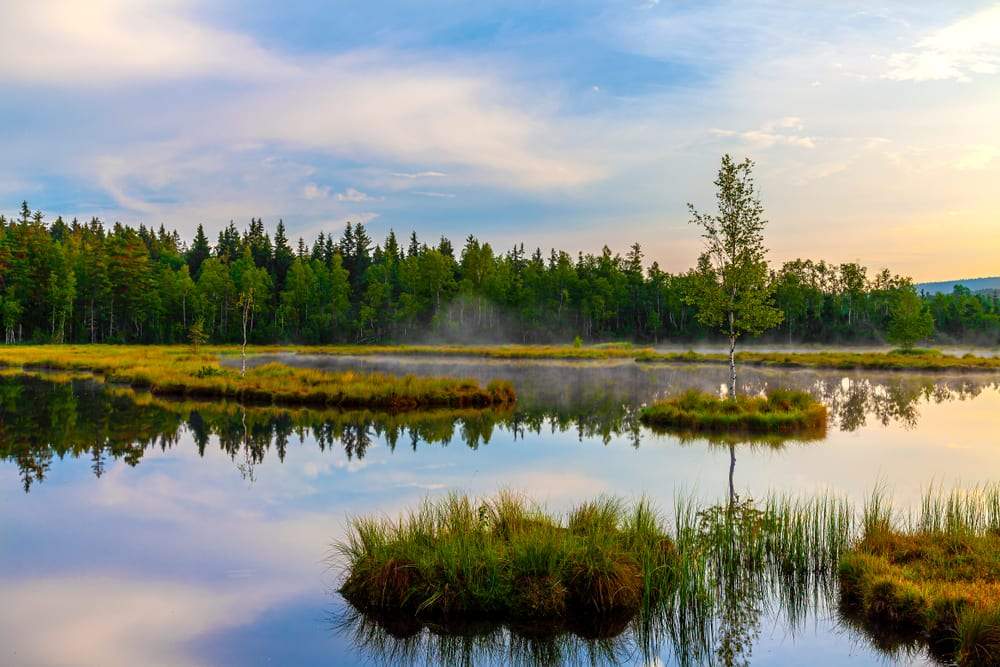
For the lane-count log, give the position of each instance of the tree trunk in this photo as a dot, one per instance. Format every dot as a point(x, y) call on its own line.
point(732, 365)
point(732, 469)
point(243, 350)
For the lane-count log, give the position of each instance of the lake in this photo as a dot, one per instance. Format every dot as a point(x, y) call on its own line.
point(137, 530)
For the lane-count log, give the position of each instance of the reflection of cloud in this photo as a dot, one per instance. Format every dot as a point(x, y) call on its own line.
point(112, 621)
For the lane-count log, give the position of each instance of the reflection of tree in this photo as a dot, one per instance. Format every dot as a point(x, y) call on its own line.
point(43, 417)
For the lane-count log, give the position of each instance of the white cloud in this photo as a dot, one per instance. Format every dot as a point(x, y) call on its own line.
point(313, 191)
point(959, 51)
point(354, 196)
point(439, 195)
point(65, 42)
point(418, 174)
point(782, 132)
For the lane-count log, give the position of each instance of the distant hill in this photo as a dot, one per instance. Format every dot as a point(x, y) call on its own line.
point(974, 284)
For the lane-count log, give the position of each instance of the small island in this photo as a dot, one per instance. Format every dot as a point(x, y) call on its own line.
point(197, 373)
point(506, 560)
point(780, 411)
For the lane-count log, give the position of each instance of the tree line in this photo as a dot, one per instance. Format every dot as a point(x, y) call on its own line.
point(85, 282)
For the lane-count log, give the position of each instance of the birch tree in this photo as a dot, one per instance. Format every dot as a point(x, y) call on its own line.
point(731, 286)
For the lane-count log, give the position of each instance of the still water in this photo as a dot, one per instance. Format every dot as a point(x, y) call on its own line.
point(140, 531)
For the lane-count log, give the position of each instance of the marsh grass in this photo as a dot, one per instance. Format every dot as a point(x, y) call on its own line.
point(779, 412)
point(933, 576)
point(181, 372)
point(605, 568)
point(914, 359)
point(929, 578)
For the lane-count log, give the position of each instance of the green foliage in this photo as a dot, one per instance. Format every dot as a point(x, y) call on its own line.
point(911, 320)
point(731, 285)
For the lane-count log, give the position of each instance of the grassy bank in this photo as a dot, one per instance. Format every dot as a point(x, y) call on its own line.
point(916, 359)
point(780, 411)
point(928, 360)
point(179, 372)
point(934, 580)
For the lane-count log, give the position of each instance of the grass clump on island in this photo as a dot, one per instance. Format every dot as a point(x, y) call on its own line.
point(506, 560)
point(180, 371)
point(935, 581)
point(780, 411)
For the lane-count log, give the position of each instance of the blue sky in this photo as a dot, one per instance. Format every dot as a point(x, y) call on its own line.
point(558, 124)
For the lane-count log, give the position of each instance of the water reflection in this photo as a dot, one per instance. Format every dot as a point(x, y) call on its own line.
point(183, 538)
point(47, 417)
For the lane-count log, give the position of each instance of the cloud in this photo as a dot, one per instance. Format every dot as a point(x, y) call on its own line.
point(419, 174)
point(354, 196)
point(960, 51)
point(69, 43)
point(439, 195)
point(784, 132)
point(313, 191)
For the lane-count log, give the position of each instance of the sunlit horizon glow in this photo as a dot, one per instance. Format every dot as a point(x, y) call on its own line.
point(874, 128)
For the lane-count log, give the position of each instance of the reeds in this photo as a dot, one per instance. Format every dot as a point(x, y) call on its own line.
point(780, 411)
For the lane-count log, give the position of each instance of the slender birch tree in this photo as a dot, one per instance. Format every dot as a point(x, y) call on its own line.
point(731, 287)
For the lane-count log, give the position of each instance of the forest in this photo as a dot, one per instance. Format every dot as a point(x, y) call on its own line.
point(86, 282)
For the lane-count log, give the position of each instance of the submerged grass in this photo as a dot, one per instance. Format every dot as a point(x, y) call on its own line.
point(780, 411)
point(933, 578)
point(181, 372)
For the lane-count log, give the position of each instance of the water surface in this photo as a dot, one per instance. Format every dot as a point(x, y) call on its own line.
point(141, 531)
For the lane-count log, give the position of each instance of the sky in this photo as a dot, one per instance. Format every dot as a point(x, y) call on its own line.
point(873, 125)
